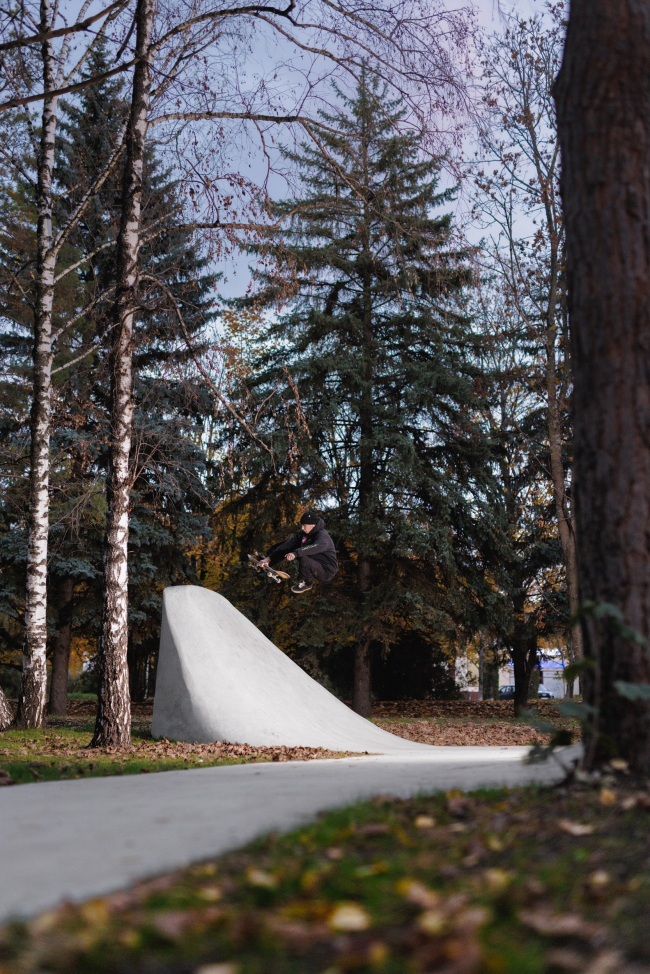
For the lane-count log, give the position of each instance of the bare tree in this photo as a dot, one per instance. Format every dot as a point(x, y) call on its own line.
point(603, 104)
point(518, 183)
point(56, 71)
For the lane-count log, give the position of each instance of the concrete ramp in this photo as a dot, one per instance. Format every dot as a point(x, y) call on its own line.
point(219, 678)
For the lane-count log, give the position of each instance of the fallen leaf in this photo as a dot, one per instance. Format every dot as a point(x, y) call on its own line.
point(576, 828)
point(417, 893)
point(432, 922)
point(607, 797)
point(566, 960)
point(607, 962)
point(210, 893)
point(599, 880)
point(257, 877)
point(549, 924)
point(172, 924)
point(497, 880)
point(349, 918)
point(424, 822)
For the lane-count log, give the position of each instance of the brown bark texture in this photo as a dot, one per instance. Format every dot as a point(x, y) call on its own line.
point(603, 103)
point(61, 649)
point(6, 715)
point(361, 696)
point(113, 725)
point(33, 691)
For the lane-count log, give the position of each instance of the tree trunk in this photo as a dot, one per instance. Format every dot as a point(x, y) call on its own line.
point(603, 102)
point(361, 699)
point(362, 695)
point(565, 519)
point(113, 725)
point(61, 653)
point(6, 715)
point(33, 690)
point(524, 658)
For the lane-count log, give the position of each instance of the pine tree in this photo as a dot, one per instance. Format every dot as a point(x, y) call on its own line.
point(384, 359)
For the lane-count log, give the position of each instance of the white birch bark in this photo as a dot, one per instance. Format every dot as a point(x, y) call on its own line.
point(113, 726)
point(33, 691)
point(6, 715)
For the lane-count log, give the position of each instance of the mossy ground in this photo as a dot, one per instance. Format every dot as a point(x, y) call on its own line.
point(531, 881)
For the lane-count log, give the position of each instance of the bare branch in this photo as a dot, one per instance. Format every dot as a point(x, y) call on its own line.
point(61, 31)
point(56, 92)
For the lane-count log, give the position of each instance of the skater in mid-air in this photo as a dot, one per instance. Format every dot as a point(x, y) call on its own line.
point(313, 548)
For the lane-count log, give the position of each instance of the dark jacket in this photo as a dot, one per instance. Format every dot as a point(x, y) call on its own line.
point(317, 545)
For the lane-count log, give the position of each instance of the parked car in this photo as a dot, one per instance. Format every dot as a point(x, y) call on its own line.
point(508, 693)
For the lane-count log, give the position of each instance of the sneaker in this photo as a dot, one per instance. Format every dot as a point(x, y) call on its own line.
point(301, 587)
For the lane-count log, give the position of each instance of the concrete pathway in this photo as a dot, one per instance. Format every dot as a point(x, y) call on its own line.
point(77, 839)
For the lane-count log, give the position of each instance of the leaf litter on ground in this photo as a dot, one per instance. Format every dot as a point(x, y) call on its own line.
point(474, 883)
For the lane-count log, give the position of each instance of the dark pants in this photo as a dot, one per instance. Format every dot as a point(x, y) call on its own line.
point(309, 569)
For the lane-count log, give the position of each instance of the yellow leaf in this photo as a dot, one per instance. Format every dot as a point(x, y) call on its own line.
point(418, 893)
point(210, 893)
point(257, 877)
point(424, 822)
point(349, 917)
point(432, 922)
point(497, 880)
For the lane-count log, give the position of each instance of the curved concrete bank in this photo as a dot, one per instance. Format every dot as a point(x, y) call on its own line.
point(220, 679)
point(77, 839)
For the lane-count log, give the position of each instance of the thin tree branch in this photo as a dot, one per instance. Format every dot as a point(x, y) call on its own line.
point(61, 31)
point(17, 102)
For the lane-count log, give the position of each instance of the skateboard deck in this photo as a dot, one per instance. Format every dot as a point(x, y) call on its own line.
point(277, 576)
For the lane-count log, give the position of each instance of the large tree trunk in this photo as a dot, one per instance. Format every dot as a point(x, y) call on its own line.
point(113, 726)
point(61, 652)
point(603, 101)
point(33, 691)
point(6, 715)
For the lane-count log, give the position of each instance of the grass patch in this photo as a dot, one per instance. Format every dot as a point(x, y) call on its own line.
point(525, 882)
point(62, 752)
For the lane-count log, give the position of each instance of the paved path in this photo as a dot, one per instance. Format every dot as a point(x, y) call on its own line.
point(77, 839)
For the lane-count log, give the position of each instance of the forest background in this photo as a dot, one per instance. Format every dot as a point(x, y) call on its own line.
point(399, 360)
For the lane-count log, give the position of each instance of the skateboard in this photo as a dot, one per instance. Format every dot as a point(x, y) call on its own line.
point(254, 562)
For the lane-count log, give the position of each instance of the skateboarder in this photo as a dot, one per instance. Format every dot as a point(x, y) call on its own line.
point(313, 548)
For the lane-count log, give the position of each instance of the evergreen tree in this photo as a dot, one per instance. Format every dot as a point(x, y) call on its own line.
point(384, 359)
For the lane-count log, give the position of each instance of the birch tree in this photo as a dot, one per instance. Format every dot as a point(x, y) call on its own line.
point(56, 73)
point(6, 715)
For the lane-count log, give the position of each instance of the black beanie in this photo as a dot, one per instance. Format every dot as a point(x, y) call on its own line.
point(309, 518)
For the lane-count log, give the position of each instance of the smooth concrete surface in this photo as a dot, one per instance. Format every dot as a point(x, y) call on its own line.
point(77, 839)
point(220, 679)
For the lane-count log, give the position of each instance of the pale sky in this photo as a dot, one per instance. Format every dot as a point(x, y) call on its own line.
point(490, 19)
